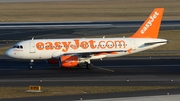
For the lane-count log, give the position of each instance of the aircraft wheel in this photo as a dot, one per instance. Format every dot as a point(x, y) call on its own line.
point(88, 66)
point(30, 67)
point(31, 64)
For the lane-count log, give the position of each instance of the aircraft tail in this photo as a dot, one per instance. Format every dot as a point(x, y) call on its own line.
point(150, 28)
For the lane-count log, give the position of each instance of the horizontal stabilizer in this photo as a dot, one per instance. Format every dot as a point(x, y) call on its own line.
point(153, 43)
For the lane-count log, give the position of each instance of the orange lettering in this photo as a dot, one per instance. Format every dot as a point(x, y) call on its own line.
point(120, 43)
point(76, 46)
point(102, 45)
point(49, 46)
point(92, 44)
point(109, 45)
point(40, 46)
point(84, 45)
point(66, 46)
point(57, 45)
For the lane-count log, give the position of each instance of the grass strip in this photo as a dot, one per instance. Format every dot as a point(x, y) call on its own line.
point(91, 10)
point(19, 92)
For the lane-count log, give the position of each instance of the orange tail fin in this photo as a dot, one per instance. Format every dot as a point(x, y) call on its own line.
point(150, 28)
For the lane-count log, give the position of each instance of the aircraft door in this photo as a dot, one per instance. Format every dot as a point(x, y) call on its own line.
point(31, 47)
point(133, 44)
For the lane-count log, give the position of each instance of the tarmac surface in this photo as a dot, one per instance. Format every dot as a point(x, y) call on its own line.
point(127, 71)
point(138, 71)
point(24, 31)
point(123, 71)
point(108, 70)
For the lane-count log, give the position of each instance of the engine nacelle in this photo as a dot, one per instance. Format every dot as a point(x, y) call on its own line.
point(69, 61)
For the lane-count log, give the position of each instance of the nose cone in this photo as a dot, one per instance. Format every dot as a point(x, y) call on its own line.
point(9, 53)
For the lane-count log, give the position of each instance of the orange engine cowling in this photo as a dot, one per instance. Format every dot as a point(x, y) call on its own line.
point(68, 61)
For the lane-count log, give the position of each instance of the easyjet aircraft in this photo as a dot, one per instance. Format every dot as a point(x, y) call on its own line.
point(75, 52)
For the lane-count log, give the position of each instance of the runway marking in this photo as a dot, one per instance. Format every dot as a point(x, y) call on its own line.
point(141, 66)
point(45, 26)
point(167, 97)
point(105, 69)
point(97, 78)
point(11, 33)
point(9, 69)
point(12, 66)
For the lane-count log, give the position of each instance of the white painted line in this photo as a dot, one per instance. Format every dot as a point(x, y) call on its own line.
point(143, 98)
point(8, 69)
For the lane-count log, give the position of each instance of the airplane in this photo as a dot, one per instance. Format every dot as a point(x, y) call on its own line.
point(78, 52)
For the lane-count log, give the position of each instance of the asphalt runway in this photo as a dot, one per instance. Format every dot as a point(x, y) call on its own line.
point(139, 71)
point(127, 71)
point(24, 31)
point(109, 70)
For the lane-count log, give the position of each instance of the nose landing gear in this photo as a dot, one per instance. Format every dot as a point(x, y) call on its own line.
point(31, 65)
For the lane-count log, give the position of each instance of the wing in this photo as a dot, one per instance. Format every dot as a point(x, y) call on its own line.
point(95, 54)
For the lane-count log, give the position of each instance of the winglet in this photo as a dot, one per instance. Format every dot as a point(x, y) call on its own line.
point(150, 28)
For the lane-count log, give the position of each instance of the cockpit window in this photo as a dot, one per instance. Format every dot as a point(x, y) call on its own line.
point(14, 46)
point(18, 46)
point(21, 46)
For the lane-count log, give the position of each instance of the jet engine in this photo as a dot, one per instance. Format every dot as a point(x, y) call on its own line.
point(68, 61)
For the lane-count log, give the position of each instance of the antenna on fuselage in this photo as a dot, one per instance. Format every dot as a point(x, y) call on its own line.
point(32, 38)
point(103, 36)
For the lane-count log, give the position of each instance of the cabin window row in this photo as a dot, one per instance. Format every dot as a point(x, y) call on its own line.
point(86, 45)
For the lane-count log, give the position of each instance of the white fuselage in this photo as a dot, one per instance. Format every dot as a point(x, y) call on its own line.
point(53, 48)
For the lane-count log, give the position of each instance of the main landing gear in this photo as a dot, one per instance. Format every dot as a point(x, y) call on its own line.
point(31, 65)
point(88, 65)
